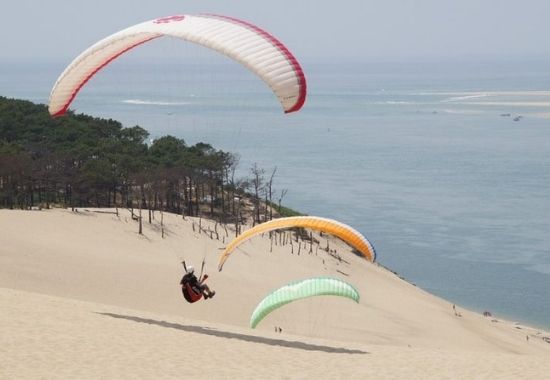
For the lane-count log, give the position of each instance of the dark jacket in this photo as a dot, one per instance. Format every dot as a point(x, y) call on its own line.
point(191, 279)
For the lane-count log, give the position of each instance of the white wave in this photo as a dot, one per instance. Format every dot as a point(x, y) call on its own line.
point(398, 102)
point(542, 104)
point(464, 97)
point(391, 102)
point(540, 115)
point(462, 112)
point(537, 93)
point(541, 268)
point(154, 102)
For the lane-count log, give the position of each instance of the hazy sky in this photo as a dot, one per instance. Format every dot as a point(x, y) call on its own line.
point(343, 30)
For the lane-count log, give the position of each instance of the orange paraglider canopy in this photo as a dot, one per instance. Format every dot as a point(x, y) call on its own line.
point(329, 226)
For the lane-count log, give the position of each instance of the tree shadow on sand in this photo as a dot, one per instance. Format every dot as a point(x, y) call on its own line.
point(232, 335)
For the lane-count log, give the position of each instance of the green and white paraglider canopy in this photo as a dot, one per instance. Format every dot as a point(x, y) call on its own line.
point(311, 287)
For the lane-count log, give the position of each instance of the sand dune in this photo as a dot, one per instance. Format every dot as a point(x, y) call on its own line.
point(84, 296)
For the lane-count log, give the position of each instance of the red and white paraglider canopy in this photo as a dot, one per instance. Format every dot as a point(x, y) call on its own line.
point(247, 44)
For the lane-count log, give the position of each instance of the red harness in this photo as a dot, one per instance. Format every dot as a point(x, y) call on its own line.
point(190, 294)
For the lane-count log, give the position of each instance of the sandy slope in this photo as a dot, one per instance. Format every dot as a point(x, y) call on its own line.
point(82, 295)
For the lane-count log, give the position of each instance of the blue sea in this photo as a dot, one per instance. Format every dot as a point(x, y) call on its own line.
point(444, 166)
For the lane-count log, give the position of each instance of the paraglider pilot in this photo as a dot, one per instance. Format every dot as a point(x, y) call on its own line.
point(192, 288)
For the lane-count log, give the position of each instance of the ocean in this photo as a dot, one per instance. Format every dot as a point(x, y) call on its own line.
point(444, 166)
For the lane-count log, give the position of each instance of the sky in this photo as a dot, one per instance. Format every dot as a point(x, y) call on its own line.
point(346, 30)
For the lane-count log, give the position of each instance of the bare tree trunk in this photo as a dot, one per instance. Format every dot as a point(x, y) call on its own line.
point(270, 188)
point(237, 218)
point(283, 193)
point(162, 223)
point(257, 183)
point(266, 208)
point(140, 218)
point(212, 196)
point(197, 199)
